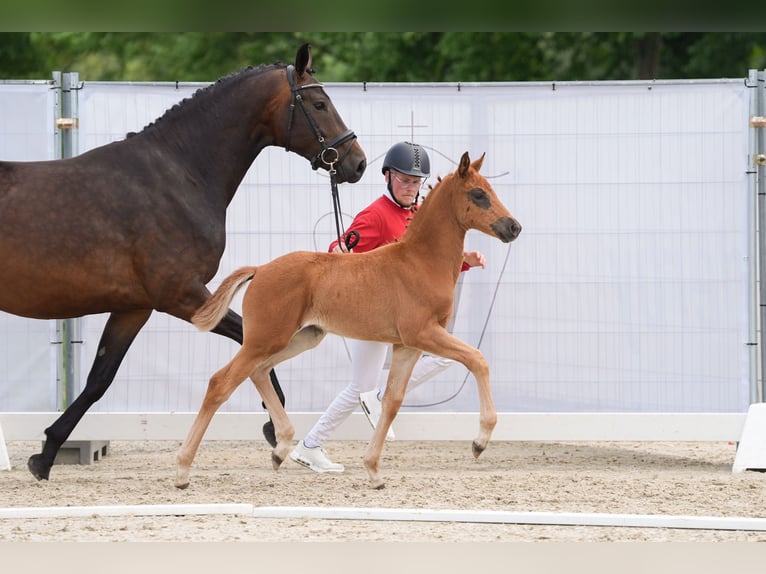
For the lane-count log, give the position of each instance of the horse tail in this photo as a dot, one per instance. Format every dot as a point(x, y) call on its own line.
point(211, 313)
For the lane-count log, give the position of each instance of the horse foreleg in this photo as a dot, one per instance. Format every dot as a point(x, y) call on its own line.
point(219, 389)
point(231, 326)
point(120, 331)
point(403, 360)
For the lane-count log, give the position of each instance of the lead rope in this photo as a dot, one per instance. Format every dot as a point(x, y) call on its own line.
point(352, 238)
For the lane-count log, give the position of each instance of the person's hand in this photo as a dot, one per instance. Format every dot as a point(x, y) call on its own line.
point(340, 248)
point(474, 259)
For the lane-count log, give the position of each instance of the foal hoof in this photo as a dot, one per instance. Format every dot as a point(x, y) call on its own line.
point(38, 468)
point(477, 449)
point(269, 434)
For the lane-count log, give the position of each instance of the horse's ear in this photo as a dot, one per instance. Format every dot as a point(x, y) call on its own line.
point(477, 164)
point(303, 59)
point(465, 163)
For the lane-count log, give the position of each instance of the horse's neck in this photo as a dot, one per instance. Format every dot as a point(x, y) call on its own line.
point(213, 136)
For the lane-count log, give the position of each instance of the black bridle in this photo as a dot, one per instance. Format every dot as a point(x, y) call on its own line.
point(329, 155)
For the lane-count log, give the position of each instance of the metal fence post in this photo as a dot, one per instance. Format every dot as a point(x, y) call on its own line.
point(67, 145)
point(757, 161)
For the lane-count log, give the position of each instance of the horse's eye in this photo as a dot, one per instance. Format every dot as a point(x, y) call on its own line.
point(480, 198)
point(320, 106)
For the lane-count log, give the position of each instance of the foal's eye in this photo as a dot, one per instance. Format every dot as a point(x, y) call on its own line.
point(479, 197)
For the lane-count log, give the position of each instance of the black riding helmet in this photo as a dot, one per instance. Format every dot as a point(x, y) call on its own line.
point(407, 158)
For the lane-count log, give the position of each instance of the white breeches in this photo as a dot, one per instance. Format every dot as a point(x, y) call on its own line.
point(367, 360)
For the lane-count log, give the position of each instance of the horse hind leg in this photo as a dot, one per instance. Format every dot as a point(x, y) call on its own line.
point(120, 331)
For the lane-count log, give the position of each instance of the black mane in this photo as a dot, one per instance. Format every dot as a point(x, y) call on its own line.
point(210, 89)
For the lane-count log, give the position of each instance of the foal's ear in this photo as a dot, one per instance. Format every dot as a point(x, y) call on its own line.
point(477, 164)
point(303, 59)
point(465, 163)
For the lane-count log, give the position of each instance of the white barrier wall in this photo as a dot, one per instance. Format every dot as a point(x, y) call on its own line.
point(27, 354)
point(626, 292)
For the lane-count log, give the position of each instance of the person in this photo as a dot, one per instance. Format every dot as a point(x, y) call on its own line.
point(406, 166)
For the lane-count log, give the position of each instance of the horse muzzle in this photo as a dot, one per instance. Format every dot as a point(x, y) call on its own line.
point(348, 166)
point(506, 228)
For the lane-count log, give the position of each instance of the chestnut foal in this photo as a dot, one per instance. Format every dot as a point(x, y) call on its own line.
point(295, 300)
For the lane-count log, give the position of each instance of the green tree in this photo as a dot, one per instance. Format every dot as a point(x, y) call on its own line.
point(20, 59)
point(387, 56)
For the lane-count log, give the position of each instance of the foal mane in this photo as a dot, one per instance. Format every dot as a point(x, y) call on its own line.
point(210, 90)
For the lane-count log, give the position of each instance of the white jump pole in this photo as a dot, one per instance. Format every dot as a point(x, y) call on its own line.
point(125, 510)
point(398, 514)
point(503, 517)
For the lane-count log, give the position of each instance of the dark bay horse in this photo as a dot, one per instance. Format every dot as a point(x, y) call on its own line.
point(401, 293)
point(139, 224)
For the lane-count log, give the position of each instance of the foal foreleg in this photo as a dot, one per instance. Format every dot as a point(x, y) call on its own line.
point(403, 360)
point(219, 389)
point(440, 342)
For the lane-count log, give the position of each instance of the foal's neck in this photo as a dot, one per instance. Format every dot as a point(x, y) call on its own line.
point(436, 234)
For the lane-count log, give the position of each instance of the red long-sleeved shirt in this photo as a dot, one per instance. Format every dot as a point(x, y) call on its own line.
point(381, 222)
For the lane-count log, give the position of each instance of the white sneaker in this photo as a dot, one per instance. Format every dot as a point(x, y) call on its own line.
point(372, 407)
point(314, 458)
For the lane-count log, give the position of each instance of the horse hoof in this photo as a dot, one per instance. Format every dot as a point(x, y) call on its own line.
point(276, 462)
point(38, 468)
point(269, 433)
point(477, 449)
point(381, 486)
point(183, 486)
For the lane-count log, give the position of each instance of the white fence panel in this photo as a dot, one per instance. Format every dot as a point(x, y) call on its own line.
point(27, 355)
point(626, 292)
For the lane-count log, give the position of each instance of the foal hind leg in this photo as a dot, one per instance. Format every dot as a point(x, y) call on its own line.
point(403, 360)
point(219, 389)
point(280, 423)
point(305, 339)
point(231, 326)
point(120, 331)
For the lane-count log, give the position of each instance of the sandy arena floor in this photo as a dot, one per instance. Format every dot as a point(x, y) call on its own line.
point(631, 478)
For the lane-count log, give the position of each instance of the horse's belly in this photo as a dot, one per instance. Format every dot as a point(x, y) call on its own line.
point(63, 288)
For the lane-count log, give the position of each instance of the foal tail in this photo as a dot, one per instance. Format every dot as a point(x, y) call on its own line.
point(211, 313)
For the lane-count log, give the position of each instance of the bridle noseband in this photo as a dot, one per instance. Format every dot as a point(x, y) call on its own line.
point(329, 155)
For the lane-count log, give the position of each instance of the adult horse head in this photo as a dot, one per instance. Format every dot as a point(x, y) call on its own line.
point(139, 224)
point(309, 101)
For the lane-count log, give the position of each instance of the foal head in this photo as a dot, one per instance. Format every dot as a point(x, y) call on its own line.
point(477, 205)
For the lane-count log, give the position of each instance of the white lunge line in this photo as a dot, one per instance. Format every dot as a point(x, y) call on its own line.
point(399, 514)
